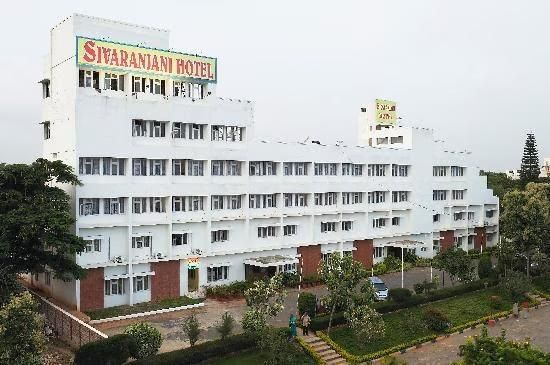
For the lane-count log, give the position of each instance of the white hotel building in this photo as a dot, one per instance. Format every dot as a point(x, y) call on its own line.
point(178, 193)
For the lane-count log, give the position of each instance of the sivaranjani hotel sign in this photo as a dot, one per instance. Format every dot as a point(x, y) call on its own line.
point(99, 54)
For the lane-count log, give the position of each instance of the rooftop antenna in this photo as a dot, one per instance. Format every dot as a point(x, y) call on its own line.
point(307, 139)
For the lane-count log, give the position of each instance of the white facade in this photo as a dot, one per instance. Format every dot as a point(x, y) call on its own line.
point(152, 195)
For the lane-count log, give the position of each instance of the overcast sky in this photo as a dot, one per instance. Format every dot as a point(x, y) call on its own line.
point(477, 72)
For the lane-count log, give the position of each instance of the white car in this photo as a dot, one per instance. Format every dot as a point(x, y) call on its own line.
point(380, 289)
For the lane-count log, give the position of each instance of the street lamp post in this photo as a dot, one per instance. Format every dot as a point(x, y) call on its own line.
point(402, 265)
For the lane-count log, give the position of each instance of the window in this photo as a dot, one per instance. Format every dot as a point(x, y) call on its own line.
point(92, 245)
point(328, 227)
point(178, 167)
point(158, 129)
point(457, 194)
point(287, 169)
point(47, 130)
point(87, 78)
point(234, 201)
point(141, 241)
point(196, 131)
point(379, 222)
point(436, 217)
point(195, 203)
point(196, 91)
point(195, 167)
point(216, 202)
point(300, 168)
point(376, 170)
point(157, 167)
point(220, 235)
point(180, 89)
point(140, 283)
point(489, 214)
point(457, 171)
point(400, 196)
point(347, 225)
point(395, 221)
point(178, 130)
point(346, 169)
point(139, 167)
point(113, 166)
point(217, 273)
point(89, 206)
point(233, 168)
point(398, 139)
point(48, 278)
point(262, 168)
point(179, 239)
point(352, 169)
point(262, 201)
point(45, 91)
point(114, 82)
point(139, 128)
point(227, 133)
point(156, 205)
point(470, 240)
point(113, 205)
point(378, 252)
point(178, 204)
point(265, 232)
point(139, 205)
point(440, 171)
point(290, 229)
point(325, 198)
point(88, 166)
point(399, 170)
point(440, 195)
point(115, 287)
point(328, 169)
point(375, 197)
point(156, 86)
point(458, 216)
point(217, 168)
point(138, 84)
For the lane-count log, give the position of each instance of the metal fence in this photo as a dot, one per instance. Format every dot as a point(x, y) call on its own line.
point(65, 326)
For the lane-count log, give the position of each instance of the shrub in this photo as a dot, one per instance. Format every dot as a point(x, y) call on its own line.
point(410, 257)
point(310, 279)
point(201, 352)
point(191, 329)
point(435, 320)
point(225, 327)
point(392, 263)
point(307, 302)
point(419, 288)
point(228, 291)
point(114, 350)
point(496, 302)
point(366, 323)
point(399, 295)
point(485, 267)
point(290, 279)
point(146, 339)
point(380, 268)
point(391, 360)
point(515, 285)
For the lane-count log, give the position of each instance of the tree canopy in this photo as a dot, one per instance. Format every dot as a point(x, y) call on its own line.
point(36, 220)
point(456, 262)
point(530, 169)
point(525, 221)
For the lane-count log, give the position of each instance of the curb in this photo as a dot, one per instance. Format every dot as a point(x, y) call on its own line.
point(145, 314)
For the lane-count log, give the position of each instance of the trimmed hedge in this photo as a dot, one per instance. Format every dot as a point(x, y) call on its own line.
point(321, 322)
point(114, 350)
point(307, 302)
point(356, 359)
point(201, 352)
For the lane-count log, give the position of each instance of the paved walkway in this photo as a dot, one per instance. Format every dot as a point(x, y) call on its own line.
point(445, 351)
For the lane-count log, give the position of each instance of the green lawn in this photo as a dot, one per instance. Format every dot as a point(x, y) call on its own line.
point(254, 357)
point(141, 307)
point(407, 324)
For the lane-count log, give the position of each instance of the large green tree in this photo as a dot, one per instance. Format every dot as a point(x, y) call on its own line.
point(530, 168)
point(341, 275)
point(456, 262)
point(36, 220)
point(525, 221)
point(500, 183)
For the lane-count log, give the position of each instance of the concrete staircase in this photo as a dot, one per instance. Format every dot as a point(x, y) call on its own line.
point(326, 352)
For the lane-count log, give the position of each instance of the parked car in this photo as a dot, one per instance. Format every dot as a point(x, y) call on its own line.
point(380, 289)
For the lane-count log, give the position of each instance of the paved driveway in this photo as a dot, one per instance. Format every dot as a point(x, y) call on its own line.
point(169, 324)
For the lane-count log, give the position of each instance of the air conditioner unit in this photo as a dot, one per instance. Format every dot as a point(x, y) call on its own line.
point(159, 255)
point(117, 259)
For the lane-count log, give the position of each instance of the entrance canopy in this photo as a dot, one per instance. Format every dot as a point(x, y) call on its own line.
point(405, 244)
point(271, 261)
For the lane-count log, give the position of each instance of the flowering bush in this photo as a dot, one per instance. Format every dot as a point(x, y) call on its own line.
point(366, 323)
point(146, 339)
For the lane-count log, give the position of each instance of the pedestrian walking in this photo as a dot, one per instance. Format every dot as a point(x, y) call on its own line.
point(292, 326)
point(306, 321)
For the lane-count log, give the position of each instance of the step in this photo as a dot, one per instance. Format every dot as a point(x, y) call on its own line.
point(331, 357)
point(326, 352)
point(310, 339)
point(322, 348)
point(337, 361)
